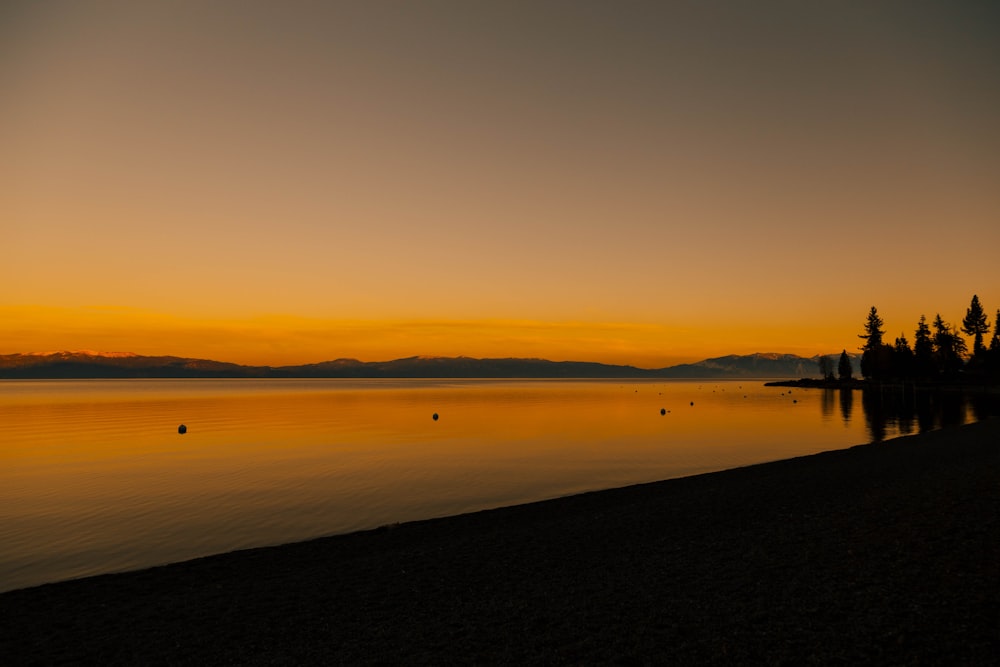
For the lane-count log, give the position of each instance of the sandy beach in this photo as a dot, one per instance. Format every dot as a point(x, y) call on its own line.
point(880, 554)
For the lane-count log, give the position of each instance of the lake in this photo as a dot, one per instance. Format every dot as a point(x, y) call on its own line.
point(95, 478)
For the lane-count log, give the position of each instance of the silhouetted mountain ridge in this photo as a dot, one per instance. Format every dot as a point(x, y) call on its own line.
point(87, 364)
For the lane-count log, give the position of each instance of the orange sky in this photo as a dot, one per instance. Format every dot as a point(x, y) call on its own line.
point(623, 182)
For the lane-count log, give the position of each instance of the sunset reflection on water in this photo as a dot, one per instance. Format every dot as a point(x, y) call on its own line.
point(94, 476)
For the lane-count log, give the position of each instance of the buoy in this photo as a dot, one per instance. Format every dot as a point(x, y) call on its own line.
point(692, 402)
point(434, 416)
point(663, 411)
point(182, 429)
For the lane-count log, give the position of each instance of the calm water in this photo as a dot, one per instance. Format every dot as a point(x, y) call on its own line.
point(95, 478)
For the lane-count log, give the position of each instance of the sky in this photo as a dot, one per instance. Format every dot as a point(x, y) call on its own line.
point(645, 183)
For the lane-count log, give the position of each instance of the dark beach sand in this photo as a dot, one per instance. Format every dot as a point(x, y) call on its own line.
point(886, 553)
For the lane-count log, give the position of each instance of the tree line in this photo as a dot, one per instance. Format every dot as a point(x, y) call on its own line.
point(939, 352)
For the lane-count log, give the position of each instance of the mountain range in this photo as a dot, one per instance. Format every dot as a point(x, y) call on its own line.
point(87, 364)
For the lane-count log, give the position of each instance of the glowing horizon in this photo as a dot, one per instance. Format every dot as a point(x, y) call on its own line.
point(642, 185)
point(280, 341)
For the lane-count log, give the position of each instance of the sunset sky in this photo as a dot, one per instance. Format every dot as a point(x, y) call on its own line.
point(627, 182)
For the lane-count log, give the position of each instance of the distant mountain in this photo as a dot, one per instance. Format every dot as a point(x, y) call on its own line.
point(760, 365)
point(464, 367)
point(87, 364)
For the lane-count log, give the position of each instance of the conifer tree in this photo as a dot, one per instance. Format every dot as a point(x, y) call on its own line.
point(923, 350)
point(902, 359)
point(995, 341)
point(844, 369)
point(975, 324)
point(874, 358)
point(948, 347)
point(993, 357)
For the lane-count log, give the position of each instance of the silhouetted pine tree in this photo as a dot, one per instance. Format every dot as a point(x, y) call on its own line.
point(902, 359)
point(875, 358)
point(993, 358)
point(844, 369)
point(995, 341)
point(948, 348)
point(923, 351)
point(974, 324)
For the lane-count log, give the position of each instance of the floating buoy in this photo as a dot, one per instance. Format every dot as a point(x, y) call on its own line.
point(434, 416)
point(182, 429)
point(663, 411)
point(692, 402)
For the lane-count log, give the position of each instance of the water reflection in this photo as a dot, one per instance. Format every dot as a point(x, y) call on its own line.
point(846, 404)
point(94, 476)
point(895, 409)
point(826, 401)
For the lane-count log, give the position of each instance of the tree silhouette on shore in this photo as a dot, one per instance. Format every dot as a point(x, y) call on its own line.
point(923, 351)
point(949, 348)
point(974, 324)
point(993, 354)
point(939, 351)
point(844, 370)
point(873, 354)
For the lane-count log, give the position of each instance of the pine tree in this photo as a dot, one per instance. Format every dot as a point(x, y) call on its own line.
point(844, 369)
point(902, 359)
point(874, 356)
point(975, 324)
point(923, 350)
point(995, 341)
point(993, 357)
point(873, 331)
point(948, 347)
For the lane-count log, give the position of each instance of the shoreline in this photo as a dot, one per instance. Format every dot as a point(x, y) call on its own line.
point(984, 386)
point(884, 553)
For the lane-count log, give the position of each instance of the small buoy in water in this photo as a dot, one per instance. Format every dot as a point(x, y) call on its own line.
point(692, 402)
point(182, 429)
point(795, 401)
point(434, 416)
point(663, 411)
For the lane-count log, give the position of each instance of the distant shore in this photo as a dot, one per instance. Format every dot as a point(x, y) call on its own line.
point(879, 554)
